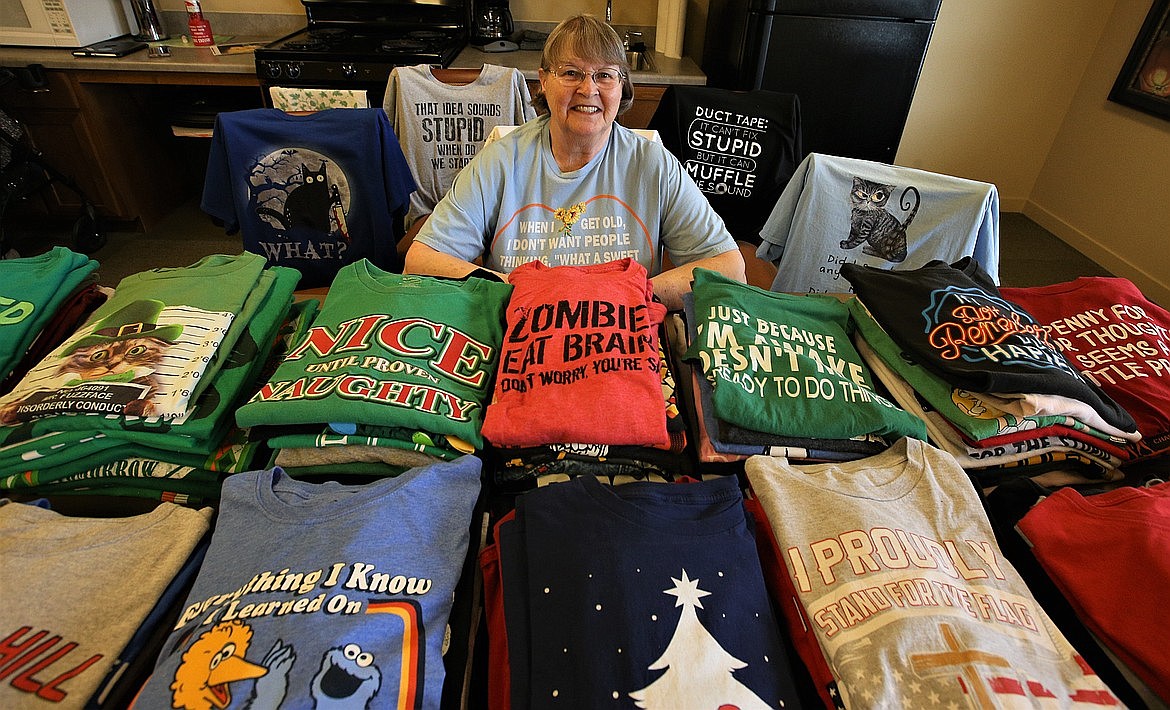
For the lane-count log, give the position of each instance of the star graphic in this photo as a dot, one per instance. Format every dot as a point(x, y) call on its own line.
point(687, 591)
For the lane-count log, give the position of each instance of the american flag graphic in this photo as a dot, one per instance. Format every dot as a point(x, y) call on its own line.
point(958, 676)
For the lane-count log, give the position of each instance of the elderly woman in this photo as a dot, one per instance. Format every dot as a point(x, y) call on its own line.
point(573, 187)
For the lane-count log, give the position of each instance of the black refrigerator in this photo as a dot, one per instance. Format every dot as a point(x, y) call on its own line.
point(853, 64)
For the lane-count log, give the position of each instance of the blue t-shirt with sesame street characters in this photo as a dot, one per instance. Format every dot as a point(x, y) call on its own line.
point(322, 595)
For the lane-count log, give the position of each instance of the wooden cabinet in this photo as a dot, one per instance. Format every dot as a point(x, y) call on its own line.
point(646, 98)
point(52, 123)
point(108, 134)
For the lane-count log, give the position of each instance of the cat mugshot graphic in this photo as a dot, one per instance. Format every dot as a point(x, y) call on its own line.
point(870, 224)
point(127, 346)
point(124, 348)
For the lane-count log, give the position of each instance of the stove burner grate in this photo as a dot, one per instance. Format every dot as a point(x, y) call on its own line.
point(310, 44)
point(403, 45)
point(329, 33)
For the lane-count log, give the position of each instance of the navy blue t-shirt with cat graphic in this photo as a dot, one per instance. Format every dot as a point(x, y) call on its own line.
point(313, 192)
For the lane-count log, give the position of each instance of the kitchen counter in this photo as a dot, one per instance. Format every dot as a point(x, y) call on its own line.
point(182, 59)
point(201, 60)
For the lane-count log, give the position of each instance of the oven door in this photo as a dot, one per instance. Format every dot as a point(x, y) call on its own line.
point(293, 74)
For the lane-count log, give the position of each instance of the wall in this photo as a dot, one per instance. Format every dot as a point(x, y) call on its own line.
point(1015, 94)
point(270, 7)
point(1106, 182)
point(997, 80)
point(625, 12)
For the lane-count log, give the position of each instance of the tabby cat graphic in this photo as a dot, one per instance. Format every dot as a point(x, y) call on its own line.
point(869, 222)
point(133, 360)
point(308, 204)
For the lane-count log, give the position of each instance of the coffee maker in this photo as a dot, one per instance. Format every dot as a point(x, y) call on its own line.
point(492, 29)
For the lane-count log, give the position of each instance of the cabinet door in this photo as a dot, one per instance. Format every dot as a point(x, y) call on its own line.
point(63, 139)
point(646, 98)
point(54, 125)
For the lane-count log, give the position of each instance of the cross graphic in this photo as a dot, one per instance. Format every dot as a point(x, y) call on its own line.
point(962, 659)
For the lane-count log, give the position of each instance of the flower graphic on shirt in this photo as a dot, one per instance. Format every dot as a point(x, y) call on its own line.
point(568, 216)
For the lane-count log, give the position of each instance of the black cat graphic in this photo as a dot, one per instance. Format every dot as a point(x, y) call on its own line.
point(869, 222)
point(308, 204)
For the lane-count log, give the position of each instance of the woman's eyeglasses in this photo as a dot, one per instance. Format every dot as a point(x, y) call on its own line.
point(572, 77)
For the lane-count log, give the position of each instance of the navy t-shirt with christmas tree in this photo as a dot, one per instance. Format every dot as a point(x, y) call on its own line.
point(644, 594)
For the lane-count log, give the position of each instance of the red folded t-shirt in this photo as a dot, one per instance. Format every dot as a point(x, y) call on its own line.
point(580, 359)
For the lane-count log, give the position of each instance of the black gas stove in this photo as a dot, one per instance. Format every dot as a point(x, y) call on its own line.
point(354, 44)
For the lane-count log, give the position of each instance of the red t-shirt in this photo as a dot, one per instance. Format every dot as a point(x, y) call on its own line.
point(580, 359)
point(1109, 554)
point(1118, 339)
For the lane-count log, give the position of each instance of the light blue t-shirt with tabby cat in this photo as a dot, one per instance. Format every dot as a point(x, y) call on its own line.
point(839, 210)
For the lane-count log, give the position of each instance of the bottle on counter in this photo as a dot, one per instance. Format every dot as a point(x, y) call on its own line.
point(198, 25)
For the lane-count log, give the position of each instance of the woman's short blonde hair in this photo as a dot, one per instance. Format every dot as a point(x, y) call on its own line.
point(590, 39)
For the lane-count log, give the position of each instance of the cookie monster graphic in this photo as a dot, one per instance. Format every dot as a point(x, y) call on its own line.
point(347, 678)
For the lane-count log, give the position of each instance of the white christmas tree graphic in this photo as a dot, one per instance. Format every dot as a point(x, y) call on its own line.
point(698, 670)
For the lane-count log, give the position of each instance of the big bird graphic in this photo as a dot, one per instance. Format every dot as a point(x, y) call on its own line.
point(211, 664)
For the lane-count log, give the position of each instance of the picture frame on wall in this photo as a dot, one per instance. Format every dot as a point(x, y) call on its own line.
point(1144, 81)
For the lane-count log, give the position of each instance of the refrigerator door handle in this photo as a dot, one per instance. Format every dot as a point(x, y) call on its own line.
point(759, 26)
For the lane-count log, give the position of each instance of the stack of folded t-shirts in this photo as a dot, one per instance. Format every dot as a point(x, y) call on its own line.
point(777, 375)
point(1108, 554)
point(643, 594)
point(718, 442)
point(41, 296)
point(1118, 339)
point(394, 373)
point(1075, 525)
point(139, 400)
point(994, 390)
point(583, 386)
point(896, 593)
point(80, 605)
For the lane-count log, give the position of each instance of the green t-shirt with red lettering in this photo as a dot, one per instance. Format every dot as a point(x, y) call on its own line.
point(392, 350)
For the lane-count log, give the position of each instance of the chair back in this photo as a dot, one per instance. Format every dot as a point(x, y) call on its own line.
point(313, 191)
point(302, 100)
point(740, 147)
point(838, 210)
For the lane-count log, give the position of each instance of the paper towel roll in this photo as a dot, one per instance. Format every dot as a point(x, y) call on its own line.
point(672, 21)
